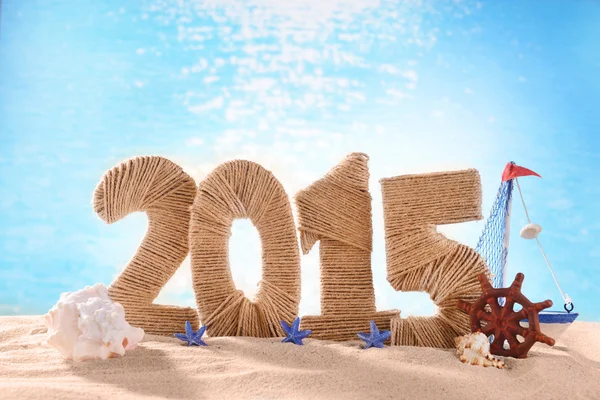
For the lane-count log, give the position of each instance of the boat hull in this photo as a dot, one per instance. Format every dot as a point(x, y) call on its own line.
point(554, 323)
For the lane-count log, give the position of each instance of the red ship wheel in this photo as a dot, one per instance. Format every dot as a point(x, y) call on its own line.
point(503, 322)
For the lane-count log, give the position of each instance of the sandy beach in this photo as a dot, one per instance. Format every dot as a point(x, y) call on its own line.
point(250, 368)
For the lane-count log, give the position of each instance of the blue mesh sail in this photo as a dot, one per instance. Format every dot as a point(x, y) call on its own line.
point(493, 242)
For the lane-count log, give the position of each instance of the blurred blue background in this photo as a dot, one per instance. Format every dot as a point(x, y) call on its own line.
point(420, 86)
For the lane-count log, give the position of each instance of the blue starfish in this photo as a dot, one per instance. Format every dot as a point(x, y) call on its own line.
point(191, 337)
point(376, 338)
point(293, 334)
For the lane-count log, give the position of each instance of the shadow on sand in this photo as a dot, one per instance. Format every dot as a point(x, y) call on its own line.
point(143, 371)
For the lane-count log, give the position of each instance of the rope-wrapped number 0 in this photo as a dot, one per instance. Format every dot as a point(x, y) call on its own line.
point(243, 189)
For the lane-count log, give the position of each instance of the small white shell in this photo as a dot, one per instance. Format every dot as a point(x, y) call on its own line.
point(87, 324)
point(474, 349)
point(530, 231)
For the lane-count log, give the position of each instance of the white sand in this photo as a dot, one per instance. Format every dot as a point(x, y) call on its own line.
point(249, 368)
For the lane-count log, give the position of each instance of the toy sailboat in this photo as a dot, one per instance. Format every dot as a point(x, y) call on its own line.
point(493, 247)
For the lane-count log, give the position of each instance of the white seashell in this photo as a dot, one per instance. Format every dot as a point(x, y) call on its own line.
point(87, 324)
point(474, 349)
point(530, 231)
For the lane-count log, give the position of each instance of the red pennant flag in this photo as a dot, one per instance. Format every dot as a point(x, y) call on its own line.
point(512, 171)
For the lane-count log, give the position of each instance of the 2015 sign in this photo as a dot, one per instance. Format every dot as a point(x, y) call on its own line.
point(335, 210)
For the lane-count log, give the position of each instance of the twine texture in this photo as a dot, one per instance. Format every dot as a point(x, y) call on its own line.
point(421, 259)
point(243, 189)
point(162, 190)
point(336, 210)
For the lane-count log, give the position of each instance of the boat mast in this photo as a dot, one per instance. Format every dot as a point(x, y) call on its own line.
point(506, 238)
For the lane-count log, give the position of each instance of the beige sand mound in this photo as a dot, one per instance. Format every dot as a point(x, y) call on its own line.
point(249, 368)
